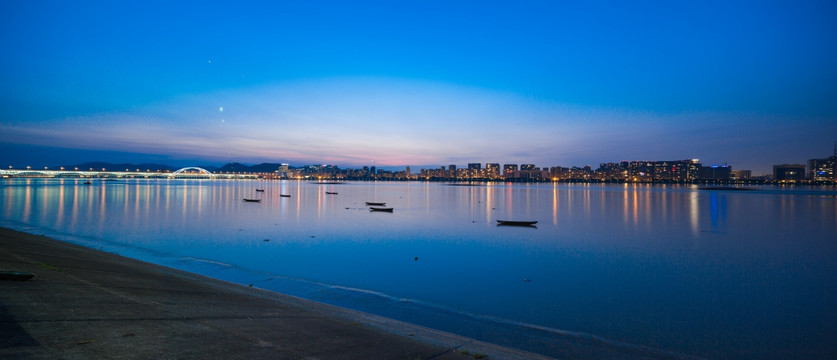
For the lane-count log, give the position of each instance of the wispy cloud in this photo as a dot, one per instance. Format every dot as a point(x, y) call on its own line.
point(390, 122)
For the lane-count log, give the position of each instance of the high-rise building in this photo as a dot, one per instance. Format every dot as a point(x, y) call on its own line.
point(527, 167)
point(509, 169)
point(474, 170)
point(823, 169)
point(789, 172)
point(492, 170)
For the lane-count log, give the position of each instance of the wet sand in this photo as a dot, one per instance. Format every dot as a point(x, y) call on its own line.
point(84, 304)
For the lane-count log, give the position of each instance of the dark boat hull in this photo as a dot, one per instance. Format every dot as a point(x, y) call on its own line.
point(252, 200)
point(516, 223)
point(14, 275)
point(380, 209)
point(375, 204)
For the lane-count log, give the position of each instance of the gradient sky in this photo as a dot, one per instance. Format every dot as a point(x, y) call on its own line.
point(417, 82)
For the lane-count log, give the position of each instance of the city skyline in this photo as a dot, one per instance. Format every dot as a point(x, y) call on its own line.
point(817, 171)
point(748, 84)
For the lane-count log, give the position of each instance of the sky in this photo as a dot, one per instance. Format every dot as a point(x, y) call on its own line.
point(419, 83)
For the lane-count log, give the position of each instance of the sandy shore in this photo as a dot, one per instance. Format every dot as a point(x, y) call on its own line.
point(88, 304)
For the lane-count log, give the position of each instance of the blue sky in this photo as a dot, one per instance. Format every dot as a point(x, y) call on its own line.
point(418, 82)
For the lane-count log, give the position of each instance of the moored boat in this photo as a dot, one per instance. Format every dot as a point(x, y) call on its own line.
point(516, 223)
point(331, 192)
point(375, 203)
point(284, 195)
point(252, 200)
point(259, 190)
point(14, 275)
point(381, 209)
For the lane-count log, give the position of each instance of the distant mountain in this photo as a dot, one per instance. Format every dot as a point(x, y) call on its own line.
point(239, 167)
point(120, 167)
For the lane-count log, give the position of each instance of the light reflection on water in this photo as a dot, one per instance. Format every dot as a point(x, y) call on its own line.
point(709, 273)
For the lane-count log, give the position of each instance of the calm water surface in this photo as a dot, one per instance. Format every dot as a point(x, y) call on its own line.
point(718, 274)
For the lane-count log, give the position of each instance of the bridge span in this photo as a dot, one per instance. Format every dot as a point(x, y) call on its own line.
point(191, 172)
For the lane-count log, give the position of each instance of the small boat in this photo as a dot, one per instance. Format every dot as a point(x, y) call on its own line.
point(516, 223)
point(253, 200)
point(381, 209)
point(375, 203)
point(14, 275)
point(87, 183)
point(724, 188)
point(259, 190)
point(331, 192)
point(284, 195)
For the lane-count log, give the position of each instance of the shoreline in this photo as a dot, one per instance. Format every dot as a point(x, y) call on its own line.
point(85, 303)
point(555, 343)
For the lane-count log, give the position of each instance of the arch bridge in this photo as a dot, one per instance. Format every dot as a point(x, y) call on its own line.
point(189, 172)
point(192, 171)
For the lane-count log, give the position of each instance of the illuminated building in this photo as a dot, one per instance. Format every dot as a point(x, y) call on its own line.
point(789, 172)
point(492, 170)
point(824, 169)
point(509, 169)
point(474, 170)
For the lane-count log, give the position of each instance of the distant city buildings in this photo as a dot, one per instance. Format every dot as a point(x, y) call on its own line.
point(666, 171)
point(651, 171)
point(821, 170)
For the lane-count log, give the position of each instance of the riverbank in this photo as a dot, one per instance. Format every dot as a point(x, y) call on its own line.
point(85, 303)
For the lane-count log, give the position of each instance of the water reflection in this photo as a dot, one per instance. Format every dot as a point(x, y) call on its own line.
point(663, 266)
